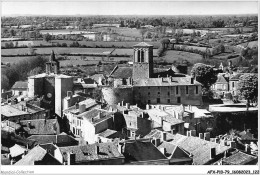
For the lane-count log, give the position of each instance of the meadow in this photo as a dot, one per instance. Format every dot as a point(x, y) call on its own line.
point(173, 55)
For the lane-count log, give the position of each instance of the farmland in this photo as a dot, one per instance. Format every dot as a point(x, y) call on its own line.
point(250, 44)
point(193, 47)
point(69, 50)
point(131, 32)
point(173, 55)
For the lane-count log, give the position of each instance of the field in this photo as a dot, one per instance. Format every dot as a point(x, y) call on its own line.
point(251, 44)
point(121, 31)
point(26, 43)
point(63, 32)
point(57, 50)
point(173, 55)
point(245, 29)
point(194, 47)
point(13, 60)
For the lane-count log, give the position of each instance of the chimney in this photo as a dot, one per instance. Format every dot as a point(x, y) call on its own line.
point(207, 136)
point(161, 121)
point(247, 148)
point(69, 94)
point(127, 106)
point(147, 106)
point(232, 144)
point(163, 136)
point(193, 133)
point(163, 150)
point(191, 80)
point(25, 152)
point(97, 149)
point(92, 119)
point(120, 148)
point(188, 133)
point(201, 135)
point(157, 142)
point(71, 158)
point(122, 103)
point(82, 108)
point(212, 153)
point(216, 140)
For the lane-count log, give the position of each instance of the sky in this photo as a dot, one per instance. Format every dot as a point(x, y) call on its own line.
point(133, 7)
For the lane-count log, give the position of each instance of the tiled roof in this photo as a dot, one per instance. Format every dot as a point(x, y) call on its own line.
point(239, 158)
point(122, 72)
point(199, 148)
point(166, 73)
point(142, 151)
point(10, 110)
point(165, 81)
point(143, 44)
point(88, 153)
point(36, 154)
point(111, 134)
point(154, 113)
point(20, 85)
point(40, 126)
point(89, 102)
point(5, 160)
point(244, 135)
point(59, 140)
point(17, 150)
point(173, 150)
point(236, 77)
point(157, 134)
point(95, 116)
point(221, 79)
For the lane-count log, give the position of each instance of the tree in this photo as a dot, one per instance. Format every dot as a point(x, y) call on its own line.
point(204, 74)
point(248, 87)
point(142, 32)
point(47, 37)
point(35, 71)
point(4, 82)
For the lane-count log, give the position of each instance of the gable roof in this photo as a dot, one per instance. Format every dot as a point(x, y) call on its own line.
point(95, 116)
point(174, 151)
point(60, 140)
point(199, 148)
point(221, 79)
point(36, 154)
point(122, 72)
point(16, 150)
point(142, 151)
point(157, 134)
point(88, 153)
point(108, 133)
point(40, 126)
point(239, 158)
point(20, 85)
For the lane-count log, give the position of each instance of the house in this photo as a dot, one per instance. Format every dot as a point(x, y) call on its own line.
point(38, 156)
point(109, 135)
point(93, 154)
point(94, 122)
point(159, 135)
point(60, 140)
point(240, 158)
point(204, 151)
point(73, 115)
point(131, 120)
point(121, 76)
point(40, 127)
point(17, 152)
point(142, 152)
point(175, 154)
point(10, 126)
point(221, 87)
point(20, 88)
point(23, 111)
point(168, 121)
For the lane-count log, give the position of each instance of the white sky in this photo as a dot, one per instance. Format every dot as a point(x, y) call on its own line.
point(133, 7)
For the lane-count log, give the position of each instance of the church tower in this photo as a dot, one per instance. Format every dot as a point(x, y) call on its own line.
point(53, 65)
point(143, 61)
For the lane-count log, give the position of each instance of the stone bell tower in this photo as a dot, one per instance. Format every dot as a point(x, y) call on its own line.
point(53, 65)
point(142, 61)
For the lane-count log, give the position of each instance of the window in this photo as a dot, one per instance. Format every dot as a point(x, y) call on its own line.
point(142, 56)
point(159, 93)
point(168, 93)
point(148, 87)
point(197, 89)
point(132, 133)
point(177, 90)
point(20, 93)
point(169, 101)
point(149, 101)
point(233, 84)
point(187, 89)
point(148, 93)
point(178, 99)
point(158, 88)
point(138, 56)
point(158, 100)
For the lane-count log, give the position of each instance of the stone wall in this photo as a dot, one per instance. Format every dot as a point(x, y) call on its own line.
point(114, 95)
point(168, 95)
